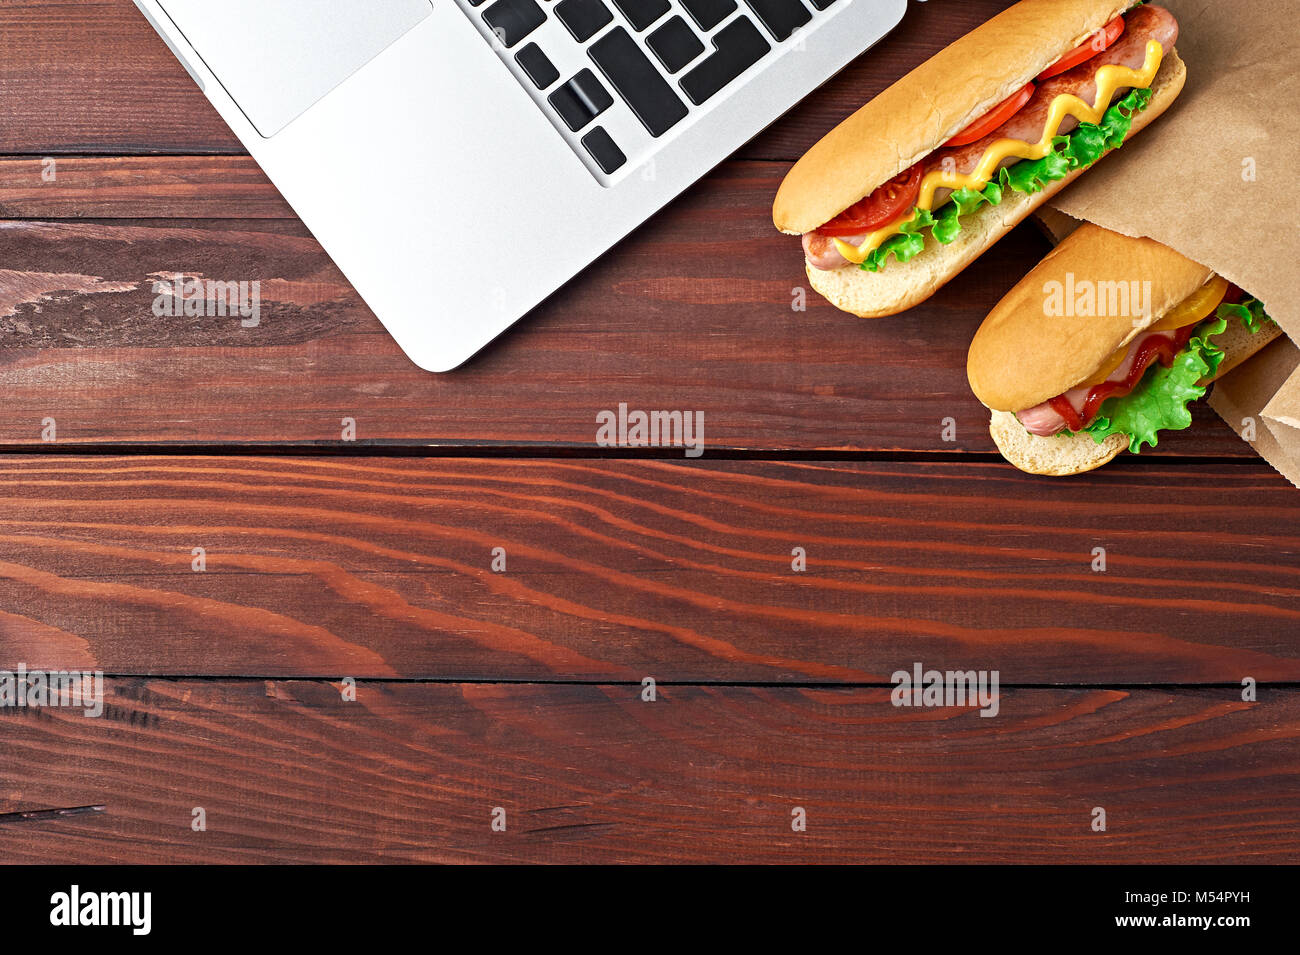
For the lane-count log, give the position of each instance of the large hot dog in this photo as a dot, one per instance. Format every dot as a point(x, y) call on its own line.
point(919, 182)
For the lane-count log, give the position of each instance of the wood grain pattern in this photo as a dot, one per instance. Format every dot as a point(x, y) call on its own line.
point(288, 772)
point(668, 321)
point(619, 569)
point(138, 187)
point(521, 689)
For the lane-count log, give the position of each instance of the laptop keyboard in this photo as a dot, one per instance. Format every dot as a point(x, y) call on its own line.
point(586, 62)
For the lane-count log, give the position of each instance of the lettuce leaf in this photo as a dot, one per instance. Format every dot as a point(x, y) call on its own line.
point(1160, 400)
point(1250, 313)
point(1080, 149)
point(909, 242)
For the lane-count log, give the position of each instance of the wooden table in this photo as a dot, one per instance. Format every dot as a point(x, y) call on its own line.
point(330, 562)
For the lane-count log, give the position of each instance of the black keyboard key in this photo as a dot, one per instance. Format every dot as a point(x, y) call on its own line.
point(583, 18)
point(707, 14)
point(512, 20)
point(604, 150)
point(822, 4)
point(641, 13)
point(631, 73)
point(675, 44)
point(581, 100)
point(538, 66)
point(781, 17)
point(739, 46)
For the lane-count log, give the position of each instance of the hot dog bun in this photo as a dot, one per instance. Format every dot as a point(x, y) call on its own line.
point(1022, 355)
point(899, 286)
point(931, 104)
point(1058, 456)
point(1064, 454)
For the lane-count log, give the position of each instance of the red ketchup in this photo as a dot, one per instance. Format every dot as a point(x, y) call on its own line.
point(1155, 347)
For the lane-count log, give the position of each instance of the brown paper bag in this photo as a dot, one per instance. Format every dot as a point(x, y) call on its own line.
point(1242, 398)
point(1214, 179)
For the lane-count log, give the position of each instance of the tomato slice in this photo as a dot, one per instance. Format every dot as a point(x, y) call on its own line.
point(1087, 49)
point(994, 118)
point(885, 205)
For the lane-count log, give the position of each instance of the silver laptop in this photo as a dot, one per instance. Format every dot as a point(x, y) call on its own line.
point(461, 159)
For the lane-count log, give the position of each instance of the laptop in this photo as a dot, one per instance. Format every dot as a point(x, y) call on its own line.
point(461, 159)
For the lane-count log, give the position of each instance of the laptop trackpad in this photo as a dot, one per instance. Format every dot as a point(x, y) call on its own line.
point(277, 58)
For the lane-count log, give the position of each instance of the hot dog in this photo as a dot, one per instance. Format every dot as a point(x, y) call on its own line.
point(985, 122)
point(1102, 347)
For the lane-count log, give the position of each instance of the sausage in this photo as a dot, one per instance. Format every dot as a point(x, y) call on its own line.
point(1042, 420)
point(821, 252)
point(1045, 420)
point(1141, 24)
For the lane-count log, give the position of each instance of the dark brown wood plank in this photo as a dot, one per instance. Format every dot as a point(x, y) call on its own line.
point(681, 316)
point(138, 187)
point(620, 569)
point(91, 76)
point(289, 772)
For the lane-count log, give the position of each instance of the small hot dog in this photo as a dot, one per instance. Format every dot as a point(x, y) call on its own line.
point(1073, 381)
